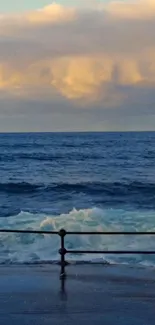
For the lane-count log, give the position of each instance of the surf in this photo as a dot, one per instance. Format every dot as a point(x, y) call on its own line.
point(41, 248)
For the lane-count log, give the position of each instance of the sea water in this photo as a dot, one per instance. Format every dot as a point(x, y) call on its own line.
point(80, 182)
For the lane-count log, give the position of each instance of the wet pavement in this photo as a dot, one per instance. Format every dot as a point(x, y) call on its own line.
point(91, 294)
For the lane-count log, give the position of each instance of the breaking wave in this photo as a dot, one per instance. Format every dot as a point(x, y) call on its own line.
point(40, 248)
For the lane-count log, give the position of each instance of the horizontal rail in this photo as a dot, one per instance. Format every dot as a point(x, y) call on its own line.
point(63, 251)
point(109, 233)
point(18, 231)
point(109, 252)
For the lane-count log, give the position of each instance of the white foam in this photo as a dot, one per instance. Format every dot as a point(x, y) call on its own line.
point(39, 248)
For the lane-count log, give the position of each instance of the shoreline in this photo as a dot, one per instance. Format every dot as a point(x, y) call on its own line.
point(72, 263)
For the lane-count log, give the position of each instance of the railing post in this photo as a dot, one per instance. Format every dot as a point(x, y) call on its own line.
point(62, 252)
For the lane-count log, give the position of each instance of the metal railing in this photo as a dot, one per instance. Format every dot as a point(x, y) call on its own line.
point(63, 251)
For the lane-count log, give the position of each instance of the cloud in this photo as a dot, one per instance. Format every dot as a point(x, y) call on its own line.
point(141, 9)
point(52, 13)
point(102, 56)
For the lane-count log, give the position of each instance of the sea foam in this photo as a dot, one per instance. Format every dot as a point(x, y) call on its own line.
point(41, 248)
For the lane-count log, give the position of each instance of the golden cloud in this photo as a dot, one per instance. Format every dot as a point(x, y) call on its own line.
point(71, 56)
point(139, 9)
point(52, 13)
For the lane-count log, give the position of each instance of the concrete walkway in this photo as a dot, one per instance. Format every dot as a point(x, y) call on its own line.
point(91, 294)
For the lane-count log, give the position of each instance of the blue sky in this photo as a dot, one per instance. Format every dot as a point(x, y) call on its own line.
point(20, 5)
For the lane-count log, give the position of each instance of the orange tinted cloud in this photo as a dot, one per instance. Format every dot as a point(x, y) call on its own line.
point(80, 54)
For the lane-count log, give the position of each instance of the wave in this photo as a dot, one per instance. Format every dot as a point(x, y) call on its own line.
point(49, 157)
point(28, 156)
point(22, 187)
point(32, 248)
point(40, 157)
point(93, 188)
point(113, 188)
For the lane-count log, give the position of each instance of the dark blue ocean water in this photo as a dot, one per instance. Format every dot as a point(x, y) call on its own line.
point(78, 181)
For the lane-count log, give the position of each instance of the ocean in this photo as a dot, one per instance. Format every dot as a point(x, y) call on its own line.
point(80, 182)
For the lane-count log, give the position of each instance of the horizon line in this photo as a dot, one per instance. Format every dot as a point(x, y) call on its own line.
point(56, 132)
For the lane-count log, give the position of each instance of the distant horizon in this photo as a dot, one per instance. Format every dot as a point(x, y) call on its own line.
point(68, 132)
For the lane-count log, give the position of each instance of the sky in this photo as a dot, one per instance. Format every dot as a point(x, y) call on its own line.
point(22, 5)
point(84, 65)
